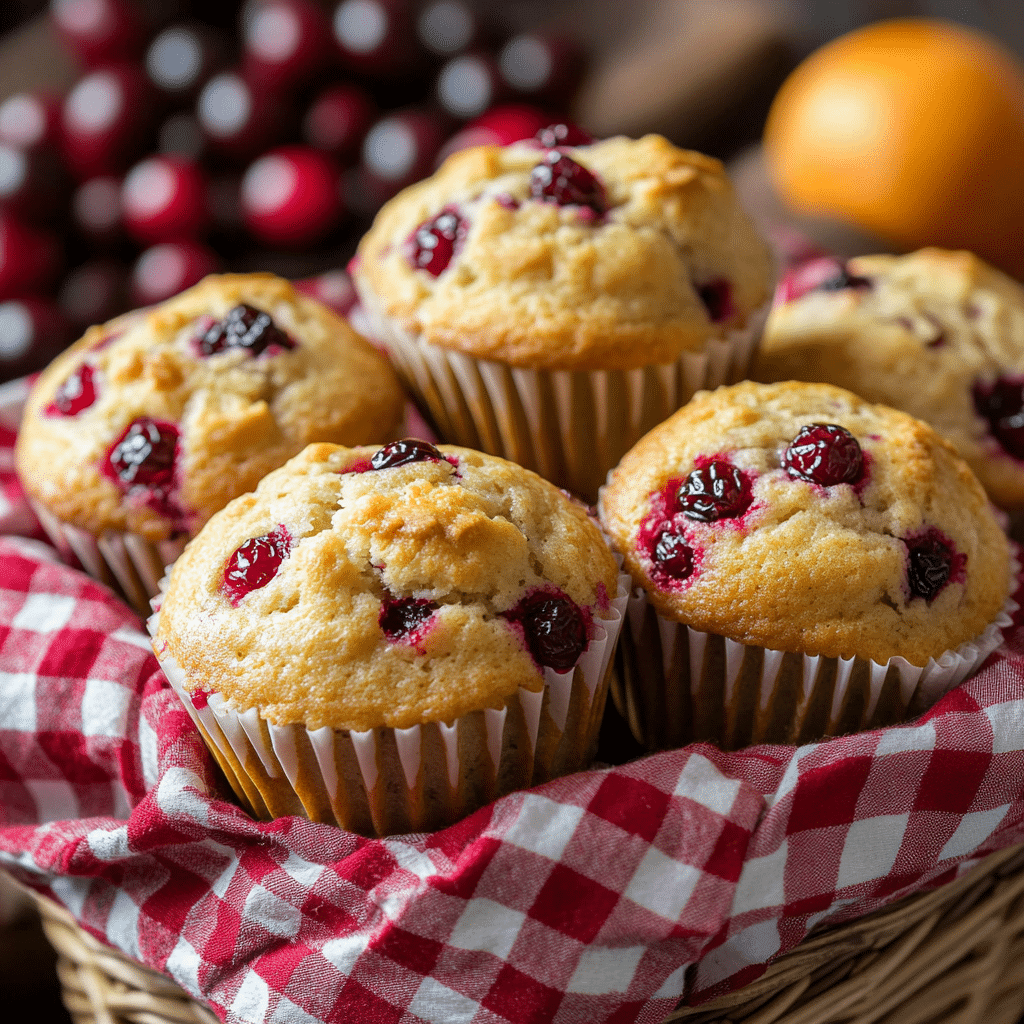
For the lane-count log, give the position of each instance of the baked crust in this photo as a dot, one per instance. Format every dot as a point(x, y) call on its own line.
point(931, 324)
point(473, 537)
point(539, 285)
point(812, 569)
point(240, 416)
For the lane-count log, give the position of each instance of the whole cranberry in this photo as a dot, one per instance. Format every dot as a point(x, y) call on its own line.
point(244, 327)
point(434, 242)
point(929, 564)
point(563, 134)
point(402, 618)
point(338, 119)
point(163, 198)
point(167, 268)
point(1001, 403)
point(554, 627)
point(559, 179)
point(824, 454)
point(400, 453)
point(77, 392)
point(290, 196)
point(672, 555)
point(255, 563)
point(715, 491)
point(144, 455)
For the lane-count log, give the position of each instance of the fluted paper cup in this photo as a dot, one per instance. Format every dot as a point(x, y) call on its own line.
point(678, 684)
point(126, 562)
point(388, 781)
point(570, 426)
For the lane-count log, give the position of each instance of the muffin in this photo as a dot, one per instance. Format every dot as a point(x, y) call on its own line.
point(389, 638)
point(938, 334)
point(137, 434)
point(552, 305)
point(805, 564)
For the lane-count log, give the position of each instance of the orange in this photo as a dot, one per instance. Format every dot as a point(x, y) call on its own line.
point(911, 129)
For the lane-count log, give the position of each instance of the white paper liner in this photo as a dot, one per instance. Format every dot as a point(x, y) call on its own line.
point(570, 426)
point(125, 562)
point(246, 746)
point(659, 716)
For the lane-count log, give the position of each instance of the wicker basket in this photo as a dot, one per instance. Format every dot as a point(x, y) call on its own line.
point(954, 955)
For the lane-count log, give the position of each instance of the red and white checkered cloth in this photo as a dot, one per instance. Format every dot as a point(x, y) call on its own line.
point(602, 897)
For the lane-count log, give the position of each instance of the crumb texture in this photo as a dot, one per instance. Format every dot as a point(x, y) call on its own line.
point(534, 283)
point(471, 538)
point(809, 568)
point(929, 326)
point(239, 414)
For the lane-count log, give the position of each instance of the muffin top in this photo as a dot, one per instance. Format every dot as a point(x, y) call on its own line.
point(799, 517)
point(152, 422)
point(372, 587)
point(936, 333)
point(612, 255)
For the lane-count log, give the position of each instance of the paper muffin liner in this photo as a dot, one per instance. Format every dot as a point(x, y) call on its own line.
point(570, 426)
point(386, 781)
point(125, 562)
point(678, 685)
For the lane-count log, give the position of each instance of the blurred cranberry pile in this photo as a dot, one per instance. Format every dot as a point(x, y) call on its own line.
point(252, 136)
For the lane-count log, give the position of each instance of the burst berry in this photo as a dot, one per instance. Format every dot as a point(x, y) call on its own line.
point(717, 298)
point(144, 455)
point(78, 392)
point(403, 618)
point(824, 454)
point(843, 279)
point(434, 242)
point(563, 135)
point(559, 179)
point(255, 563)
point(398, 453)
point(244, 327)
point(929, 565)
point(1002, 404)
point(715, 491)
point(672, 556)
point(554, 627)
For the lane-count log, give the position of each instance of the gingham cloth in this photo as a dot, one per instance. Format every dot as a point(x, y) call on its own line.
point(602, 897)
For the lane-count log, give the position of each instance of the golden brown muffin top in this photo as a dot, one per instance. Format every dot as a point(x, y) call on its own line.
point(807, 542)
point(539, 284)
point(240, 411)
point(385, 597)
point(936, 333)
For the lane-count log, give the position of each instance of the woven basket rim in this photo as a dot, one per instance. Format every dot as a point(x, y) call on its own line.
point(92, 970)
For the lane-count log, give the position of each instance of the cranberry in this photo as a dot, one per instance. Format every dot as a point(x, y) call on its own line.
point(255, 563)
point(821, 273)
point(671, 555)
point(244, 327)
point(554, 627)
point(563, 134)
point(559, 179)
point(144, 454)
point(402, 618)
point(824, 454)
point(717, 298)
point(434, 241)
point(843, 279)
point(1002, 404)
point(930, 560)
point(400, 453)
point(715, 491)
point(78, 392)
